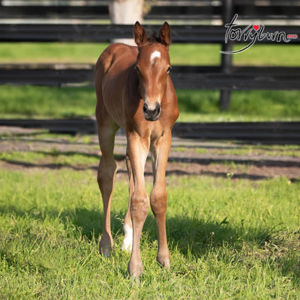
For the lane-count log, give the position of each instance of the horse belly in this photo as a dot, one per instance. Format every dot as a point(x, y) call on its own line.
point(117, 60)
point(112, 98)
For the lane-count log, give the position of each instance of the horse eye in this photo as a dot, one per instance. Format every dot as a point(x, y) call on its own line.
point(169, 69)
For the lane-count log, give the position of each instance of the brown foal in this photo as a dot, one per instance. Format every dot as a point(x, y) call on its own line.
point(134, 91)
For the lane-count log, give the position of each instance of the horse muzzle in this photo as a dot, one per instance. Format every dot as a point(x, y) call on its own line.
point(151, 115)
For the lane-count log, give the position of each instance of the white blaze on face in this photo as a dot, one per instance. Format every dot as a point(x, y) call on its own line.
point(154, 55)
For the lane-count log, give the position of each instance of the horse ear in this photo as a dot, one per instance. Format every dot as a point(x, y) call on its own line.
point(140, 36)
point(165, 34)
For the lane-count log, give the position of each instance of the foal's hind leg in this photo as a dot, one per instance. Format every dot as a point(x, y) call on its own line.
point(106, 177)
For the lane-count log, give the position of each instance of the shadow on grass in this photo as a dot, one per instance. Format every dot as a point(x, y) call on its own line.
point(185, 234)
point(261, 162)
point(180, 143)
point(181, 170)
point(189, 236)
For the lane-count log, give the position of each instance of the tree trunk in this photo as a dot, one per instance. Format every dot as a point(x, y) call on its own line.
point(126, 12)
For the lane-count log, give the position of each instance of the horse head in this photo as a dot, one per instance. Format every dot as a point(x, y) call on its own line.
point(153, 68)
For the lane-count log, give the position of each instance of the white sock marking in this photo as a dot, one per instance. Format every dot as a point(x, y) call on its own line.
point(127, 242)
point(154, 55)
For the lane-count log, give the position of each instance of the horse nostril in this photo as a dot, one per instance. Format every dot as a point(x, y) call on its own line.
point(157, 110)
point(145, 108)
point(151, 115)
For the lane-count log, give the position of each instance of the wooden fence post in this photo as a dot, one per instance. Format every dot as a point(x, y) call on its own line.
point(126, 12)
point(226, 62)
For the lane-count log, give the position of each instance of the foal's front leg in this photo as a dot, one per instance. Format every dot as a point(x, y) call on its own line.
point(160, 152)
point(137, 151)
point(127, 242)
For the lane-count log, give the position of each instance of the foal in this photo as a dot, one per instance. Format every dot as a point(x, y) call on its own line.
point(134, 91)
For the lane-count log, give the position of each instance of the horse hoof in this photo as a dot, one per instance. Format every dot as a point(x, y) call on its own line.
point(105, 252)
point(135, 269)
point(164, 261)
point(105, 246)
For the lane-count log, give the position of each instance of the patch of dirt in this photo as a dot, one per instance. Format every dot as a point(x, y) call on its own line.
point(187, 157)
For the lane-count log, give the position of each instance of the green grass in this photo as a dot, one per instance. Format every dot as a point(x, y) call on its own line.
point(187, 54)
point(194, 105)
point(249, 150)
point(203, 106)
point(53, 157)
point(268, 55)
point(259, 150)
point(29, 101)
point(228, 239)
point(50, 52)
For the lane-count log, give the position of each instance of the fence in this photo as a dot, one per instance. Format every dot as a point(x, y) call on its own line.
point(262, 132)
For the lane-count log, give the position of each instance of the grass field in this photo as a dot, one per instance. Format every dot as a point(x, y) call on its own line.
point(228, 239)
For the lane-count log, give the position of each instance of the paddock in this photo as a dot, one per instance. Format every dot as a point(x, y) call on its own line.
point(232, 220)
point(233, 196)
